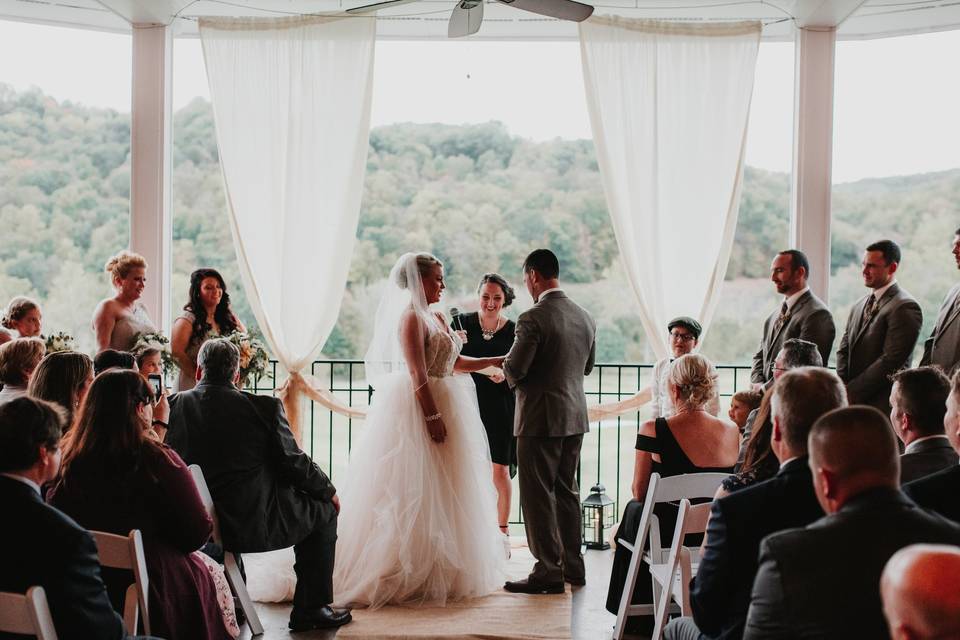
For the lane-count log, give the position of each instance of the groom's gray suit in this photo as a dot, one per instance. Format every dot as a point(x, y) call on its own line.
point(553, 351)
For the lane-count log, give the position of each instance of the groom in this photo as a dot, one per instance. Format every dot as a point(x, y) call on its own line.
point(553, 351)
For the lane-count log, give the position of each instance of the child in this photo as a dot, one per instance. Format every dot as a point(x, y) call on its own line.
point(742, 403)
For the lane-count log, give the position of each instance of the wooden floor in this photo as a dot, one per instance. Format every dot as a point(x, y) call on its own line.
point(589, 619)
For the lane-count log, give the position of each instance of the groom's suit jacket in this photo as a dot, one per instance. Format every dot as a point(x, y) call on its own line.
point(809, 319)
point(554, 349)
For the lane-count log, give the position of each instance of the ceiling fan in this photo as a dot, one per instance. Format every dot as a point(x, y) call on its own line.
point(468, 14)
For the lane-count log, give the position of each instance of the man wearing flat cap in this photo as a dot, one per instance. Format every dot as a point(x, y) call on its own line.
point(684, 336)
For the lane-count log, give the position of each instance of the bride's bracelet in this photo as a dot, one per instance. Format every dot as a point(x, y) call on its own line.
point(435, 416)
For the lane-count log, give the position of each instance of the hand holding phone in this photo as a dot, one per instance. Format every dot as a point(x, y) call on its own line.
point(156, 383)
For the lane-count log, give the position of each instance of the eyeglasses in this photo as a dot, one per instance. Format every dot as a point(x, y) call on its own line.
point(685, 337)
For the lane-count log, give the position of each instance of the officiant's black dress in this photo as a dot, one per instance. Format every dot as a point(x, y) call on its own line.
point(496, 401)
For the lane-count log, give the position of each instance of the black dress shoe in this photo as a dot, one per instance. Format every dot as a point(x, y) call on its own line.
point(536, 588)
point(576, 582)
point(323, 618)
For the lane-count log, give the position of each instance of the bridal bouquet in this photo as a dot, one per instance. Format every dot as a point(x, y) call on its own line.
point(161, 343)
point(59, 341)
point(253, 357)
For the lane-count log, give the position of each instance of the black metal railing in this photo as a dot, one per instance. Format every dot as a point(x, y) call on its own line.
point(607, 454)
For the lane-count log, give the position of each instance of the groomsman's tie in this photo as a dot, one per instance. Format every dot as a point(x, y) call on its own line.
point(868, 309)
point(782, 318)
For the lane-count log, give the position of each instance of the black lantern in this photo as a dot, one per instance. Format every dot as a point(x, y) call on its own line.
point(598, 517)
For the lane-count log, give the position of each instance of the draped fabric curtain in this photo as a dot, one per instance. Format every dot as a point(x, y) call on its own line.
point(291, 102)
point(669, 104)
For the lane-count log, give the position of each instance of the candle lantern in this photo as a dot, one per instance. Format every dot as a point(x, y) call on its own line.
point(598, 518)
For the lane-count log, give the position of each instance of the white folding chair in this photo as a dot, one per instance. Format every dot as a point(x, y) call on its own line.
point(126, 552)
point(230, 565)
point(27, 614)
point(672, 489)
point(691, 519)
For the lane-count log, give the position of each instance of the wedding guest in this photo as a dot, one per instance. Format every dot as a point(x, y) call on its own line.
point(942, 348)
point(63, 377)
point(741, 405)
point(488, 334)
point(206, 315)
point(115, 477)
point(18, 359)
point(149, 362)
point(22, 319)
point(117, 321)
point(918, 405)
point(669, 446)
point(113, 359)
point(684, 337)
point(920, 588)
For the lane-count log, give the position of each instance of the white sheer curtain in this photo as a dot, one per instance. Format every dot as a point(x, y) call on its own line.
point(291, 102)
point(668, 105)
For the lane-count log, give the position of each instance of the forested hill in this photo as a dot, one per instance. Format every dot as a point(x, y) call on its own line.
point(475, 195)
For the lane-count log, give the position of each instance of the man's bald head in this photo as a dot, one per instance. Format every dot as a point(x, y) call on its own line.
point(852, 450)
point(921, 592)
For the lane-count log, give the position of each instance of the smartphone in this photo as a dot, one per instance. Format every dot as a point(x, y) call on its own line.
point(156, 383)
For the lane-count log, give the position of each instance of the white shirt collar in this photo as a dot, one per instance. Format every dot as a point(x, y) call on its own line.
point(543, 293)
point(792, 300)
point(878, 293)
point(26, 481)
point(911, 447)
point(788, 461)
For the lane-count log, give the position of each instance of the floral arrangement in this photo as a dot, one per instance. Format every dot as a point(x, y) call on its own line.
point(253, 357)
point(161, 343)
point(59, 341)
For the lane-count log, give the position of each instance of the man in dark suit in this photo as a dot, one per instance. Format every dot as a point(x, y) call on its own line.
point(720, 592)
point(267, 492)
point(801, 315)
point(942, 348)
point(553, 350)
point(939, 492)
point(918, 403)
point(881, 331)
point(39, 545)
point(823, 581)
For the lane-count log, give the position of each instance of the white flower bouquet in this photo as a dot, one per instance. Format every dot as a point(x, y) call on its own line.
point(253, 357)
point(59, 341)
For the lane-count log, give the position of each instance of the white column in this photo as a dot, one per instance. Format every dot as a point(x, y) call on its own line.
point(150, 163)
point(813, 152)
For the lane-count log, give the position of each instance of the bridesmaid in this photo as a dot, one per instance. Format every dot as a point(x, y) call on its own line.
point(206, 315)
point(118, 320)
point(23, 318)
point(488, 333)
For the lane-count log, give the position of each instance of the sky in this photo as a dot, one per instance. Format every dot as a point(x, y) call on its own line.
point(896, 99)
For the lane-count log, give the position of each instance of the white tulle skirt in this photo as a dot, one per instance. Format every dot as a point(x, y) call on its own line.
point(418, 521)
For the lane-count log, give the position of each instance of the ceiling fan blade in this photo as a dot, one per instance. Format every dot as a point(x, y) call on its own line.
point(465, 19)
point(368, 8)
point(562, 9)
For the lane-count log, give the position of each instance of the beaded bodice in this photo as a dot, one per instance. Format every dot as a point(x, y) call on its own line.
point(442, 351)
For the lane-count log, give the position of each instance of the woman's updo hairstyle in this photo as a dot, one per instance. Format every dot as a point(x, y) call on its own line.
point(17, 309)
point(425, 263)
point(119, 266)
point(695, 378)
point(508, 293)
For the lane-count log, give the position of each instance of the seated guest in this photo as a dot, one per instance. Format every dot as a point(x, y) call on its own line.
point(39, 545)
point(822, 581)
point(115, 477)
point(18, 359)
point(692, 441)
point(113, 359)
point(63, 377)
point(22, 319)
point(149, 362)
point(939, 491)
point(917, 406)
point(720, 593)
point(921, 593)
point(741, 404)
point(268, 493)
point(684, 336)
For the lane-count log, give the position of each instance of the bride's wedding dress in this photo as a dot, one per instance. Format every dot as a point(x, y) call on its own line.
point(418, 518)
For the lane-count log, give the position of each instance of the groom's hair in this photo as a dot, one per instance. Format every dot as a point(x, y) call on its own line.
point(544, 262)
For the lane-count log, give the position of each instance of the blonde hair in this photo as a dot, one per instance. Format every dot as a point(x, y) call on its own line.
point(119, 266)
point(425, 262)
point(695, 378)
point(18, 307)
point(18, 358)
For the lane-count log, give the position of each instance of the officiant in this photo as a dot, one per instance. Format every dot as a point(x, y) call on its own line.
point(489, 333)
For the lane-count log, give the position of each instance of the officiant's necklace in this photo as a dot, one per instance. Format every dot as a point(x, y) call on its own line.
point(488, 335)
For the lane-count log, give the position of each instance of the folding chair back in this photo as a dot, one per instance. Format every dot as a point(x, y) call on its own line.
point(27, 614)
point(231, 567)
point(126, 552)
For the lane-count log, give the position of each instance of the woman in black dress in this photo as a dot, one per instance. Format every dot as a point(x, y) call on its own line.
point(488, 333)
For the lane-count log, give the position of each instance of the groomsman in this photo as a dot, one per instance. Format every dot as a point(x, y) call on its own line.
point(882, 330)
point(942, 348)
point(802, 315)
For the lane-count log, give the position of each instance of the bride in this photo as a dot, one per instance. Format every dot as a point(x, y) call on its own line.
point(418, 519)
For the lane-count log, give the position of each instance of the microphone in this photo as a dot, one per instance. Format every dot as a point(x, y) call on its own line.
point(455, 316)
